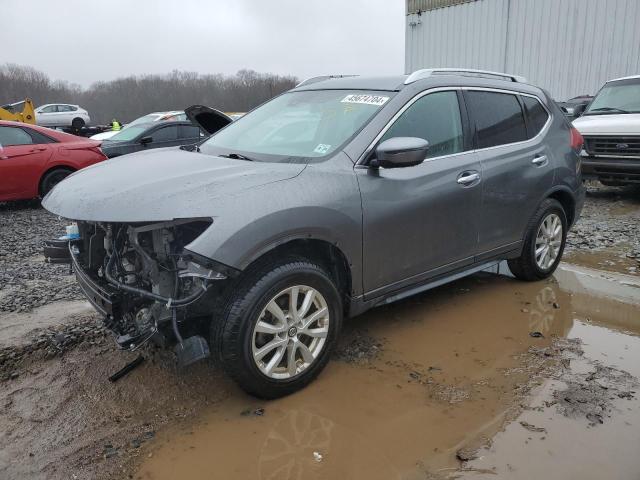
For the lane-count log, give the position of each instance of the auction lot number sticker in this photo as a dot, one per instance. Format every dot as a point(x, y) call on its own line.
point(377, 100)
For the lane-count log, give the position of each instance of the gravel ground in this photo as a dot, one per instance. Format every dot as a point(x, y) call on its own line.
point(608, 233)
point(26, 281)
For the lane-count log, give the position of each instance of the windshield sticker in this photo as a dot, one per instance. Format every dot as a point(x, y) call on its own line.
point(366, 99)
point(322, 148)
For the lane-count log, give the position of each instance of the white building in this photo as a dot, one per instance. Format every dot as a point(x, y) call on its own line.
point(569, 47)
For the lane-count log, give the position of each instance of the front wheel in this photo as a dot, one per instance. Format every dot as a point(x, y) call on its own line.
point(279, 327)
point(544, 243)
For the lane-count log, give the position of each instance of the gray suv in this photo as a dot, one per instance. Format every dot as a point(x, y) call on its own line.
point(340, 195)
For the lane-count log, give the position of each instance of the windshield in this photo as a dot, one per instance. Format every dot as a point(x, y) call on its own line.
point(617, 97)
point(128, 134)
point(298, 125)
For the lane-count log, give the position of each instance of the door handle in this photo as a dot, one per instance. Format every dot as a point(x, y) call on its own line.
point(540, 160)
point(468, 178)
point(37, 150)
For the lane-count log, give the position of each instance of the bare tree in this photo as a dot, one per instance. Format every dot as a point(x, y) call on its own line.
point(130, 97)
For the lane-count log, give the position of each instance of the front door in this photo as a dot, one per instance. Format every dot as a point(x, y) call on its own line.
point(21, 163)
point(421, 221)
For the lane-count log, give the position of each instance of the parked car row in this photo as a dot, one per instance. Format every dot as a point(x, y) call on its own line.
point(33, 159)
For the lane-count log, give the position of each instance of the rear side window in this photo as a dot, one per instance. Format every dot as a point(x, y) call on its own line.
point(39, 138)
point(537, 116)
point(498, 118)
point(165, 134)
point(187, 131)
point(14, 136)
point(434, 118)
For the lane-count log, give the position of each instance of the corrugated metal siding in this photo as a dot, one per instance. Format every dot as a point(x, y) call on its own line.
point(458, 36)
point(414, 6)
point(569, 47)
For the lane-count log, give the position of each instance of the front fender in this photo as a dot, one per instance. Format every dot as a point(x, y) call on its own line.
point(253, 240)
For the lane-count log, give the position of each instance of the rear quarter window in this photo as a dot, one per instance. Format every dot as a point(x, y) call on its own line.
point(537, 116)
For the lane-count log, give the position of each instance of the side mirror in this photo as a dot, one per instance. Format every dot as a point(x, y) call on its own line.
point(400, 152)
point(579, 109)
point(146, 140)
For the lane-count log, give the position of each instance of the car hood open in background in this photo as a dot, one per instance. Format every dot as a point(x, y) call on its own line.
point(208, 119)
point(159, 185)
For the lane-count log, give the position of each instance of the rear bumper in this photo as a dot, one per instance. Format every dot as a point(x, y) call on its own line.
point(105, 300)
point(615, 169)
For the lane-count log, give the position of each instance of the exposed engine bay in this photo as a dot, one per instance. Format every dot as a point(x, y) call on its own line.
point(145, 283)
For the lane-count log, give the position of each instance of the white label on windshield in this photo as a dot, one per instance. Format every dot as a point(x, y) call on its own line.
point(366, 99)
point(322, 148)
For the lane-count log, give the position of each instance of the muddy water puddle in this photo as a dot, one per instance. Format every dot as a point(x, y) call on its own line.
point(610, 260)
point(454, 366)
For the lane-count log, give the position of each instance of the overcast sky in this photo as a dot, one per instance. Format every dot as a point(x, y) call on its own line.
point(84, 41)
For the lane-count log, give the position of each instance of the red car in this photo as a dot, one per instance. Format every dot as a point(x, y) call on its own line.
point(34, 159)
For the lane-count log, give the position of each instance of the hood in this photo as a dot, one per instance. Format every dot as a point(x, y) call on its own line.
point(103, 135)
point(158, 185)
point(621, 124)
point(208, 119)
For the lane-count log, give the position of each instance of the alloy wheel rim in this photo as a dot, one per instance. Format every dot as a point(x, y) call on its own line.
point(548, 241)
point(291, 332)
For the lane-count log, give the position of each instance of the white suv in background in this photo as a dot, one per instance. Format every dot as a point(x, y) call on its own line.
point(62, 115)
point(610, 125)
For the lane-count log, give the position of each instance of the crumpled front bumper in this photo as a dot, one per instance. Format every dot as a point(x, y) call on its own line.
point(105, 299)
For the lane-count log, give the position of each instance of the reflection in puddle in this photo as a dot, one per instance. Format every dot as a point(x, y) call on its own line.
point(294, 445)
point(455, 364)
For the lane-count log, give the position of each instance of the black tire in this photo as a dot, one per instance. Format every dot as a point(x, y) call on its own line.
point(525, 267)
point(52, 178)
point(77, 123)
point(232, 335)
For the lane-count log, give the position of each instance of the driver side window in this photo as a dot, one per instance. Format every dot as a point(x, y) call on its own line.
point(434, 118)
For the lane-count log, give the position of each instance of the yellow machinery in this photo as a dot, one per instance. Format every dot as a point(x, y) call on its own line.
point(26, 113)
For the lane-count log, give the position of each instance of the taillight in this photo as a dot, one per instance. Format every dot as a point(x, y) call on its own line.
point(577, 141)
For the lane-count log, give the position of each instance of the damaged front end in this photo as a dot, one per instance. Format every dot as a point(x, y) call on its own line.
point(145, 283)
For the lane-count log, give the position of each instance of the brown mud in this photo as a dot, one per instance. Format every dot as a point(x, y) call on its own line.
point(447, 383)
point(456, 365)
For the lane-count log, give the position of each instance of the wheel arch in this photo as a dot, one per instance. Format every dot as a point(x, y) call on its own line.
point(50, 169)
point(567, 200)
point(328, 255)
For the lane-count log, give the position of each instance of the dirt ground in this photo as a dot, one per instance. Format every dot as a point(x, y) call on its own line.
point(483, 378)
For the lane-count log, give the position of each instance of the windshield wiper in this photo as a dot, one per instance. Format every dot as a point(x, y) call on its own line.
point(237, 156)
point(609, 109)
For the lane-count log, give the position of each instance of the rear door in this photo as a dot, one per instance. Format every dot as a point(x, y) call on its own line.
point(22, 160)
point(420, 221)
point(516, 165)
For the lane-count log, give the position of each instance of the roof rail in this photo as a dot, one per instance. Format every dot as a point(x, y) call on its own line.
point(320, 78)
point(427, 72)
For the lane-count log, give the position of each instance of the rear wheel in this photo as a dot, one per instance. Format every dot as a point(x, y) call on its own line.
point(544, 243)
point(77, 123)
point(52, 178)
point(278, 330)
